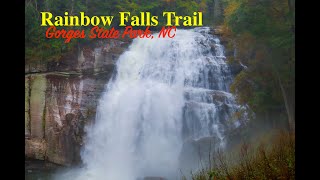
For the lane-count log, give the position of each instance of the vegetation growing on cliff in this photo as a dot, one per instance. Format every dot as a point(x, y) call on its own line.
point(263, 34)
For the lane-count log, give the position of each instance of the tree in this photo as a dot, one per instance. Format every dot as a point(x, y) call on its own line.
point(270, 77)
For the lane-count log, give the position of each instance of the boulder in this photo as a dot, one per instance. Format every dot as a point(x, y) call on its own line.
point(35, 148)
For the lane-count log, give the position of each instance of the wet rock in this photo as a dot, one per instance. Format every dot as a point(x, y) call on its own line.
point(218, 30)
point(38, 169)
point(195, 153)
point(154, 178)
point(39, 165)
point(35, 148)
point(208, 108)
point(235, 68)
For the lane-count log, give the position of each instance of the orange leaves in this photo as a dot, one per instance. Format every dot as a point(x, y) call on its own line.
point(231, 8)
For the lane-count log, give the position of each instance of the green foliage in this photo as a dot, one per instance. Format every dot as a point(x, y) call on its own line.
point(37, 47)
point(265, 39)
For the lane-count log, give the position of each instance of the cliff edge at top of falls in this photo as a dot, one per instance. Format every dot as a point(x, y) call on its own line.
point(88, 58)
point(61, 97)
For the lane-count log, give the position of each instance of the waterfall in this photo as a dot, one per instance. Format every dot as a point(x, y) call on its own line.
point(163, 92)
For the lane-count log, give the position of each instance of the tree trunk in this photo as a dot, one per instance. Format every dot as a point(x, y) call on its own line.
point(72, 7)
point(289, 105)
point(291, 5)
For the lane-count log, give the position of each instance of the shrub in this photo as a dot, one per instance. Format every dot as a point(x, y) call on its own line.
point(273, 160)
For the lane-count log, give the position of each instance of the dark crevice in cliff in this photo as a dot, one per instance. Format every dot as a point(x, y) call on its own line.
point(67, 73)
point(29, 104)
point(54, 72)
point(44, 119)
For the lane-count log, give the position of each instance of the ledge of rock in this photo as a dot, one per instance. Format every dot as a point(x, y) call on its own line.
point(61, 97)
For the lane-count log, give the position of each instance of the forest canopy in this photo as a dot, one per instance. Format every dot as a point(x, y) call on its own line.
point(262, 33)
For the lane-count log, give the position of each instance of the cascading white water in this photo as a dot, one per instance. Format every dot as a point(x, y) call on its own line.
point(163, 92)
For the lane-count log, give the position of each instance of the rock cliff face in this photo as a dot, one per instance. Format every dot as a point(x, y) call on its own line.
point(61, 98)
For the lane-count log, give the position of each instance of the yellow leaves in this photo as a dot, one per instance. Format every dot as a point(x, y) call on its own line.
point(226, 31)
point(260, 54)
point(245, 46)
point(231, 8)
point(168, 1)
point(203, 6)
